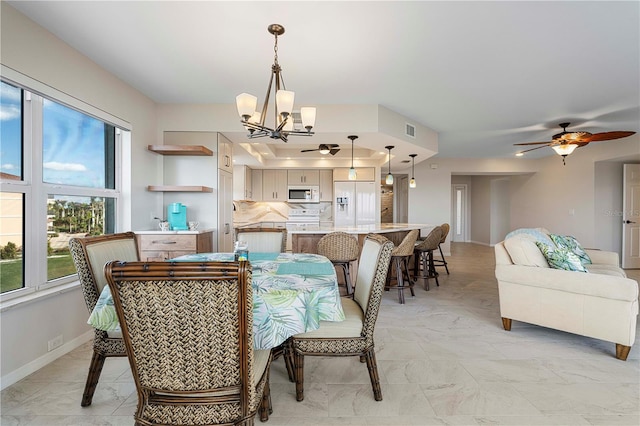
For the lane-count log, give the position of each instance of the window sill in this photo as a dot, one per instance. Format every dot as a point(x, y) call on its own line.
point(34, 296)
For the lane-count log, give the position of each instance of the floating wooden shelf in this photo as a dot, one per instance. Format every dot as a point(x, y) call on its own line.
point(178, 188)
point(180, 150)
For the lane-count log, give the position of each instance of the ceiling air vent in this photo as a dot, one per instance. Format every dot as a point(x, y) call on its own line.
point(410, 130)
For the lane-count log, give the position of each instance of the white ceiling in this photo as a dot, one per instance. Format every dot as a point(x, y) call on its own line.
point(484, 75)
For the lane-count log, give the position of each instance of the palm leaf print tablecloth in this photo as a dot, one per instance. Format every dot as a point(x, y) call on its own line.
point(292, 293)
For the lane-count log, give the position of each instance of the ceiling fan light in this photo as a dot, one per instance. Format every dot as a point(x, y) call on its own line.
point(284, 101)
point(308, 115)
point(564, 149)
point(246, 105)
point(324, 150)
point(353, 175)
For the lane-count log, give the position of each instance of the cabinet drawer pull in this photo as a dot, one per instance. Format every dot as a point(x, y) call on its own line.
point(163, 242)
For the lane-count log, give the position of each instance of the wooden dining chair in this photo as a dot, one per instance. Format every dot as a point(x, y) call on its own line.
point(188, 332)
point(89, 255)
point(354, 335)
point(263, 240)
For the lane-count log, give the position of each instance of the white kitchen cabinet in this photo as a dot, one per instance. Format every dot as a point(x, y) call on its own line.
point(304, 177)
point(242, 183)
point(225, 211)
point(274, 185)
point(326, 185)
point(225, 154)
point(256, 185)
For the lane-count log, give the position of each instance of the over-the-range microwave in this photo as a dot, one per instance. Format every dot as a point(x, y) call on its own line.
point(304, 194)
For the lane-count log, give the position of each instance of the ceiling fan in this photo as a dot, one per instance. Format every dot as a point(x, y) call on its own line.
point(564, 143)
point(325, 149)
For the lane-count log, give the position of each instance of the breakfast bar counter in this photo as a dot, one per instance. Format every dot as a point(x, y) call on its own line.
point(304, 239)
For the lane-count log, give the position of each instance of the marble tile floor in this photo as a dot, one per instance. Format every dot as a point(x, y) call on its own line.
point(443, 359)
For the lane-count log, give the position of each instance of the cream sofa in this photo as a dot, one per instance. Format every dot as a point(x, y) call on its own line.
point(602, 303)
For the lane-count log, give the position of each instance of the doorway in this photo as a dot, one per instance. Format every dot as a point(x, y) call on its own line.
point(459, 213)
point(631, 216)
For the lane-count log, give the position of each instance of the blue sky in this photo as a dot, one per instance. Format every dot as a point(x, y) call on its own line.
point(73, 143)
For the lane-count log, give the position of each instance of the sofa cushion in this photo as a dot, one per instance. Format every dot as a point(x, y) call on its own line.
point(606, 270)
point(538, 234)
point(523, 251)
point(561, 258)
point(572, 244)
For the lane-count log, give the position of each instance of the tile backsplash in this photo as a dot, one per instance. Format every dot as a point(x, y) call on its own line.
point(247, 211)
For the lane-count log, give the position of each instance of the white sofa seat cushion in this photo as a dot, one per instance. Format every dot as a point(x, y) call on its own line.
point(604, 269)
point(350, 327)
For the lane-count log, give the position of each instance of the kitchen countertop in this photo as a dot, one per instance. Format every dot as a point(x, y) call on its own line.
point(199, 231)
point(377, 228)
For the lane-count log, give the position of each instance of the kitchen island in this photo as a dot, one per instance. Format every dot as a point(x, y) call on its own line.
point(304, 239)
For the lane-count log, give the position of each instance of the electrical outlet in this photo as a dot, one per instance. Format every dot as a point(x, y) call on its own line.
point(56, 342)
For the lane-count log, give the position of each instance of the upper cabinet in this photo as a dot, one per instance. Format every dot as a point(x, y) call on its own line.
point(256, 185)
point(274, 185)
point(242, 183)
point(326, 185)
point(225, 154)
point(304, 177)
point(367, 174)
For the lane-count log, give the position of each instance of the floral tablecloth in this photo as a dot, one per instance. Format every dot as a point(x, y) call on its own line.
point(292, 293)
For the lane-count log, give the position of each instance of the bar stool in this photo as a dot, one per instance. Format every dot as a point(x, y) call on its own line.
point(399, 258)
point(423, 256)
point(341, 249)
point(442, 262)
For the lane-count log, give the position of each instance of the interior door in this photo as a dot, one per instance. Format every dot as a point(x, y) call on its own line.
point(631, 217)
point(459, 213)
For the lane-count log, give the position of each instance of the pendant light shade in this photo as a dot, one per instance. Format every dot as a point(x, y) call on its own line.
point(412, 182)
point(353, 175)
point(389, 180)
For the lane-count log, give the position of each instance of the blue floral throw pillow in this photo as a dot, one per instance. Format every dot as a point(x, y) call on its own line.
point(561, 258)
point(573, 245)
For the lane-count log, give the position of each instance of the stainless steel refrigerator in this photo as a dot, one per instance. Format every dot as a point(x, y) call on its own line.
point(354, 203)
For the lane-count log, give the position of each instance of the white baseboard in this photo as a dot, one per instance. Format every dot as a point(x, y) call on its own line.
point(22, 372)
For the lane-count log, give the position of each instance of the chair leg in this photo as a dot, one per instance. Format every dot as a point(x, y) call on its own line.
point(432, 268)
point(425, 268)
point(405, 262)
point(444, 262)
point(299, 367)
point(265, 405)
point(288, 360)
point(95, 368)
point(347, 277)
point(398, 268)
point(373, 374)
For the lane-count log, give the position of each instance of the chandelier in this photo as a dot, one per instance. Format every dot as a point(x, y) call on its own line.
point(285, 120)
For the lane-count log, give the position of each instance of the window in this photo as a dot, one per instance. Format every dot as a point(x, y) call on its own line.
point(59, 179)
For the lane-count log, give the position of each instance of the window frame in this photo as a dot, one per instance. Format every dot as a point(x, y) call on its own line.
point(35, 191)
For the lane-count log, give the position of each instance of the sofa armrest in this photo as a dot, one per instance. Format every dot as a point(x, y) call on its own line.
point(605, 286)
point(603, 257)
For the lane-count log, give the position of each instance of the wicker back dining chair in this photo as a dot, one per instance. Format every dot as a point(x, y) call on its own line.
point(423, 257)
point(354, 335)
point(442, 261)
point(188, 331)
point(341, 249)
point(89, 255)
point(263, 240)
point(399, 267)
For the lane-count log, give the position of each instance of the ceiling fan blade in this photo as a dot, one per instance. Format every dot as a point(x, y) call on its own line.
point(607, 136)
point(532, 149)
point(533, 143)
point(310, 150)
point(334, 151)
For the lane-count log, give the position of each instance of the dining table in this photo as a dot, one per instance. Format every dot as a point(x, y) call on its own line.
point(292, 293)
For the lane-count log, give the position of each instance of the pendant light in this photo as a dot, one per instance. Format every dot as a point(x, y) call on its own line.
point(353, 175)
point(389, 180)
point(412, 182)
